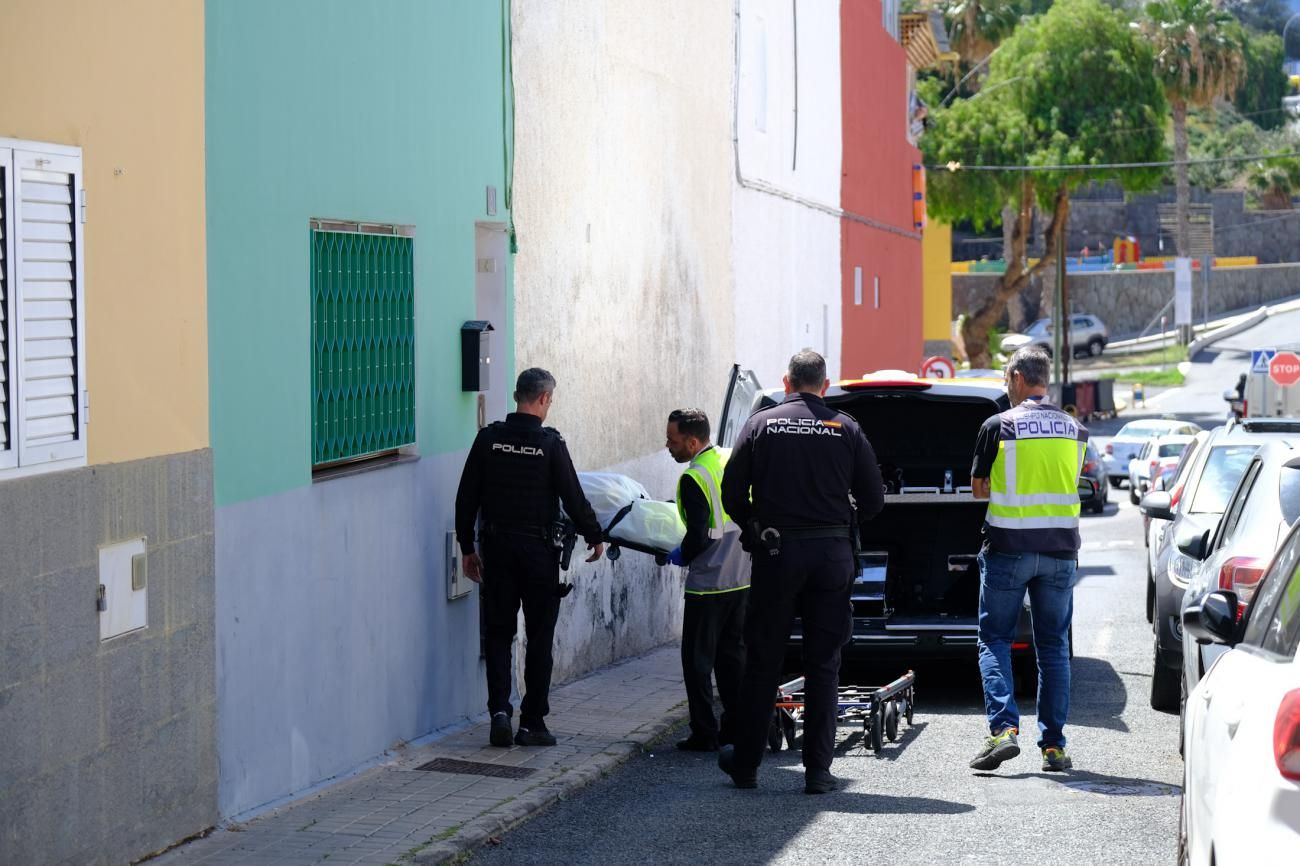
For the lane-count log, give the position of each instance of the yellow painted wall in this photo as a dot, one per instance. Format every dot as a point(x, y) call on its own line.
point(123, 80)
point(936, 254)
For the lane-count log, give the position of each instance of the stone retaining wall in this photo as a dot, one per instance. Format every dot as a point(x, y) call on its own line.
point(1127, 300)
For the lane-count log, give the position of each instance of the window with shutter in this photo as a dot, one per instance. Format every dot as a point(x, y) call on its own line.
point(42, 364)
point(363, 341)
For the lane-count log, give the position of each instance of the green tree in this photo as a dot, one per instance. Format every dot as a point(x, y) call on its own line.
point(1069, 89)
point(1265, 83)
point(1199, 58)
point(1275, 182)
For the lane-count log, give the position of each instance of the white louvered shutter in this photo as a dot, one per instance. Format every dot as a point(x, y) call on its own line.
point(48, 270)
point(8, 449)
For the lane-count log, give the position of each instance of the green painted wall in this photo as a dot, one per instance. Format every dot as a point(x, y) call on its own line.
point(371, 111)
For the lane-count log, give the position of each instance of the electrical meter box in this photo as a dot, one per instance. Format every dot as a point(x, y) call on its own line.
point(475, 355)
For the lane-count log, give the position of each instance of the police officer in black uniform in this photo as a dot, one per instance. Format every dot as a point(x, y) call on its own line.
point(515, 476)
point(799, 461)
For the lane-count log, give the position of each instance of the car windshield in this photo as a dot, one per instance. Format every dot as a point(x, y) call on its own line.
point(1172, 449)
point(1141, 430)
point(1224, 467)
point(1289, 493)
point(1042, 326)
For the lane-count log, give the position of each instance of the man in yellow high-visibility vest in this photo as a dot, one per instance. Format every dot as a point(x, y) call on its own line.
point(1027, 463)
point(717, 584)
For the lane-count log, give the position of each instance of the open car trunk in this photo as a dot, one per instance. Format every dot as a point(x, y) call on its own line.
point(918, 563)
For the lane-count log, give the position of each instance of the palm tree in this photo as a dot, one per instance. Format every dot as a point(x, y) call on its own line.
point(1275, 182)
point(977, 27)
point(1200, 58)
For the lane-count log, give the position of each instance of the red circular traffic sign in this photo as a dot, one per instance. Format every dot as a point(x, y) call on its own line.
point(937, 367)
point(1284, 369)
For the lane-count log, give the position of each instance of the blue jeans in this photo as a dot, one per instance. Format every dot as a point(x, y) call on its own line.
point(1004, 578)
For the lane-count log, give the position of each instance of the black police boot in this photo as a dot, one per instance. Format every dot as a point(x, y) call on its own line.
point(820, 782)
point(534, 737)
point(697, 743)
point(727, 764)
point(501, 735)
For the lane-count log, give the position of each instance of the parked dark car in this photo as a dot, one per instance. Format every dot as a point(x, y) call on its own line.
point(1100, 490)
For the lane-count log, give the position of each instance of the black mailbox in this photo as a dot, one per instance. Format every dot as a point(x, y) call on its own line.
point(475, 356)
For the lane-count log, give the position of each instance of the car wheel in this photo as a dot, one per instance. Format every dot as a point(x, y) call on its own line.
point(1116, 482)
point(1133, 494)
point(1095, 347)
point(1164, 686)
point(1098, 506)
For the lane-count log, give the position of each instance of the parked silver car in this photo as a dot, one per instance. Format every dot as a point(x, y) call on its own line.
point(1088, 334)
point(1235, 554)
point(1193, 503)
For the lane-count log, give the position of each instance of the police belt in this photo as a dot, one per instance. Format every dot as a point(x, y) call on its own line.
point(522, 530)
point(805, 532)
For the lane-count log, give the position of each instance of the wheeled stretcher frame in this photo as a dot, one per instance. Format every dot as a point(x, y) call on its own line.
point(877, 707)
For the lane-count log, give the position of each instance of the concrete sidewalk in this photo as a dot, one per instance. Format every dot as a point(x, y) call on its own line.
point(397, 813)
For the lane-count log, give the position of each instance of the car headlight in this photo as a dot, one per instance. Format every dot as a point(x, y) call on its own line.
point(1180, 568)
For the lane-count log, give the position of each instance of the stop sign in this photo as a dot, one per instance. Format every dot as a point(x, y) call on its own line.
point(1284, 369)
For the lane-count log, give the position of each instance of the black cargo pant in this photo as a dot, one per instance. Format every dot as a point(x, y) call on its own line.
point(812, 579)
point(520, 570)
point(713, 646)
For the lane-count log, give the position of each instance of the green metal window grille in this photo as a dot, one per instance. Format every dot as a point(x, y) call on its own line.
point(362, 345)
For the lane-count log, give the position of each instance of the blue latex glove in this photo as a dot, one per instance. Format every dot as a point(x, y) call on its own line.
point(675, 557)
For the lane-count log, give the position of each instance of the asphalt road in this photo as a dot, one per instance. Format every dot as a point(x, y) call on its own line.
point(918, 802)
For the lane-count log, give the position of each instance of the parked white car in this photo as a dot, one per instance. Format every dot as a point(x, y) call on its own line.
point(1241, 738)
point(1126, 444)
point(1142, 467)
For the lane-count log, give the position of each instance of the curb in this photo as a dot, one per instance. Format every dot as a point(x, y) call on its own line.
point(1202, 343)
point(505, 817)
point(1258, 316)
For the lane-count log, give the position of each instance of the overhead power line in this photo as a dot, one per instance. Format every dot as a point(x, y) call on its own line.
point(1115, 166)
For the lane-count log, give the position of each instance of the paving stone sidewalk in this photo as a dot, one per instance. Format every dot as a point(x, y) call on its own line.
point(396, 814)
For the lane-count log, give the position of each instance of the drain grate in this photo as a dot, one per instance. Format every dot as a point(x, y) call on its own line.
point(476, 768)
point(1126, 788)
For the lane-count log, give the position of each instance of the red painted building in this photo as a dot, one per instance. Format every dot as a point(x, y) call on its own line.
point(880, 251)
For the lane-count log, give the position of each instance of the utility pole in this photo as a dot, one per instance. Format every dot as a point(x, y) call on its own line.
point(1056, 314)
point(1063, 282)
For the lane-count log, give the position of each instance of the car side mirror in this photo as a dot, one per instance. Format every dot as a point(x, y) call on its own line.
point(1193, 542)
point(1158, 505)
point(1213, 619)
point(1230, 395)
point(1087, 488)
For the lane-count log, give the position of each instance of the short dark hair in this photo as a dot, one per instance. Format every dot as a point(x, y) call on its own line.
point(532, 384)
point(1033, 364)
point(807, 371)
point(691, 422)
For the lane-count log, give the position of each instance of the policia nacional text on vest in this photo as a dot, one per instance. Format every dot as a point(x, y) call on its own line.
point(1033, 486)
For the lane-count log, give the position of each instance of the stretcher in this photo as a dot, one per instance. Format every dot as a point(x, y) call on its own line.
point(878, 708)
point(617, 543)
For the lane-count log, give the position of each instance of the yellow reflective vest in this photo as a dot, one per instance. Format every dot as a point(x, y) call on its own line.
point(1034, 484)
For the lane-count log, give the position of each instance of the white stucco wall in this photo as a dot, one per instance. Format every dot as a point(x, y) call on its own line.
point(786, 253)
point(622, 204)
point(623, 280)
